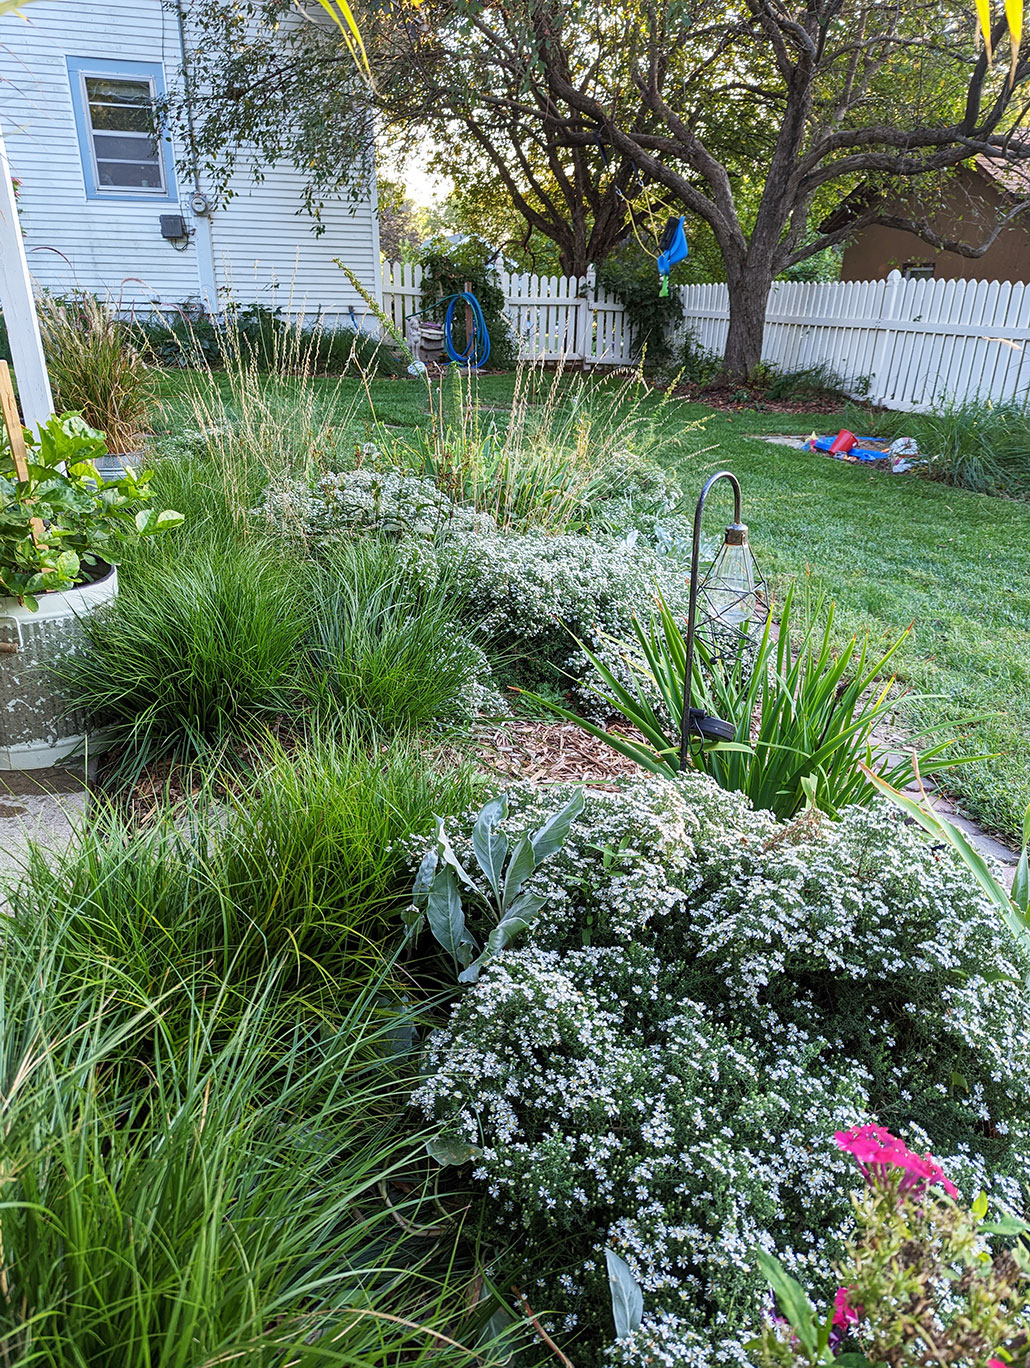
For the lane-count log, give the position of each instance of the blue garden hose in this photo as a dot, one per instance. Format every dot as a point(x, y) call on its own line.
point(477, 351)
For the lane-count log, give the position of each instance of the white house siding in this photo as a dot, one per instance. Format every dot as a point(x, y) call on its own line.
point(106, 247)
point(263, 250)
point(266, 251)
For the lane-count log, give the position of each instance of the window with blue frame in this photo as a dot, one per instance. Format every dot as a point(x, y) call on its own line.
point(124, 153)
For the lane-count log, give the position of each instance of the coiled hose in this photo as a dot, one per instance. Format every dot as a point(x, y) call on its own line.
point(477, 351)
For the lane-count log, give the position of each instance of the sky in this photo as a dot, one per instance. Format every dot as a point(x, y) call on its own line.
point(424, 187)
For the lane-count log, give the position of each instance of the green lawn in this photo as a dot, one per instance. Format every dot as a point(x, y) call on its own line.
point(889, 550)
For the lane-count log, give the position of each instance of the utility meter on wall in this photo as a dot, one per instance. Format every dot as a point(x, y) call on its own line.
point(200, 204)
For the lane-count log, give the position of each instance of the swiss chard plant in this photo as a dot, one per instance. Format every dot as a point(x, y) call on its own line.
point(443, 885)
point(66, 516)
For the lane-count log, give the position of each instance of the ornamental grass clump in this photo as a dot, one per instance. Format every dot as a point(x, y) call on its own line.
point(193, 654)
point(386, 647)
point(196, 1174)
point(96, 369)
point(705, 995)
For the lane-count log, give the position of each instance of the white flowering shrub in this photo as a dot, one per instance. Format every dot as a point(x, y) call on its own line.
point(366, 500)
point(658, 1067)
point(529, 595)
point(534, 597)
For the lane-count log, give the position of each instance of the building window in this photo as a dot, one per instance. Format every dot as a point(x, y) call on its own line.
point(918, 270)
point(124, 155)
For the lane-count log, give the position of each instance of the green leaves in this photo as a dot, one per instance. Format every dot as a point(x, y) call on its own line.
point(803, 712)
point(792, 1300)
point(85, 517)
point(450, 1153)
point(441, 876)
point(627, 1297)
point(149, 521)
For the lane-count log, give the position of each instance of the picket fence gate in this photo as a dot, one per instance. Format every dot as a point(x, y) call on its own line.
point(906, 344)
point(553, 318)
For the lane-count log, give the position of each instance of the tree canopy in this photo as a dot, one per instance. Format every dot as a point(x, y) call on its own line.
point(756, 117)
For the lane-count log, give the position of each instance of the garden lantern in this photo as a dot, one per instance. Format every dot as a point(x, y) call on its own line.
point(726, 606)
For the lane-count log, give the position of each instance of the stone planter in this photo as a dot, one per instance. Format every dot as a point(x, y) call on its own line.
point(39, 726)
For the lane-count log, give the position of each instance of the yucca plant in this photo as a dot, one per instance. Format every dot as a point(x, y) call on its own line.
point(803, 713)
point(95, 368)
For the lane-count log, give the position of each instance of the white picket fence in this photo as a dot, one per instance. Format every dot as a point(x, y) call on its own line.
point(907, 344)
point(554, 318)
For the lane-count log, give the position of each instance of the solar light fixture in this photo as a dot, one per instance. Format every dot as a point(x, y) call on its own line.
point(725, 607)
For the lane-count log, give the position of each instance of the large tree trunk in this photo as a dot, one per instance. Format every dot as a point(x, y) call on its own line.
point(749, 295)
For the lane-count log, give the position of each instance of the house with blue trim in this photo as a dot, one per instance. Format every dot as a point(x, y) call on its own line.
point(111, 207)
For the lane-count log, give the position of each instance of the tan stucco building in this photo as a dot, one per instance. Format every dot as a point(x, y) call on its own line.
point(965, 208)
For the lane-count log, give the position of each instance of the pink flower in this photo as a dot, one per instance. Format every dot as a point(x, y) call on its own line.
point(844, 1313)
point(877, 1152)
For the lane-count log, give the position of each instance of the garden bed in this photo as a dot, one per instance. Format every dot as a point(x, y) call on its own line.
point(398, 1019)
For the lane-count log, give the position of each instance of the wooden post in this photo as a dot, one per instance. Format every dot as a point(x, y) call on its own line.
point(16, 438)
point(467, 287)
point(19, 307)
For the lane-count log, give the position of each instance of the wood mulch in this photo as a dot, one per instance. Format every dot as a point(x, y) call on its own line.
point(749, 399)
point(549, 753)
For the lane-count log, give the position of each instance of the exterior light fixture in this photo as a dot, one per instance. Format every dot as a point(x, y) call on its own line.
point(725, 607)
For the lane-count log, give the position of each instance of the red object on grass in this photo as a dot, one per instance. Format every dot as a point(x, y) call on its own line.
point(843, 442)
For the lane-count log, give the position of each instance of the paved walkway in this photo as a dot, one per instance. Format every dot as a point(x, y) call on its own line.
point(41, 805)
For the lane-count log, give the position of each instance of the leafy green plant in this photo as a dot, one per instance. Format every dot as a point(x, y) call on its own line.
point(1013, 905)
point(694, 362)
point(96, 369)
point(66, 520)
point(630, 274)
point(820, 384)
point(386, 644)
point(193, 654)
point(497, 894)
point(803, 714)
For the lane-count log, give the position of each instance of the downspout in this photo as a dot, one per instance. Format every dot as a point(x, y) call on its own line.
point(204, 229)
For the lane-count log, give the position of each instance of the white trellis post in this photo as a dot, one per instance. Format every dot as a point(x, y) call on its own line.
point(20, 308)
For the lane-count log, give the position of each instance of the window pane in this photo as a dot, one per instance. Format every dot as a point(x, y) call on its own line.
point(122, 105)
point(122, 118)
point(117, 92)
point(131, 175)
point(124, 147)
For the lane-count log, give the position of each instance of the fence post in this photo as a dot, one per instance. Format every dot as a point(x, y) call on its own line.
point(585, 321)
point(881, 352)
